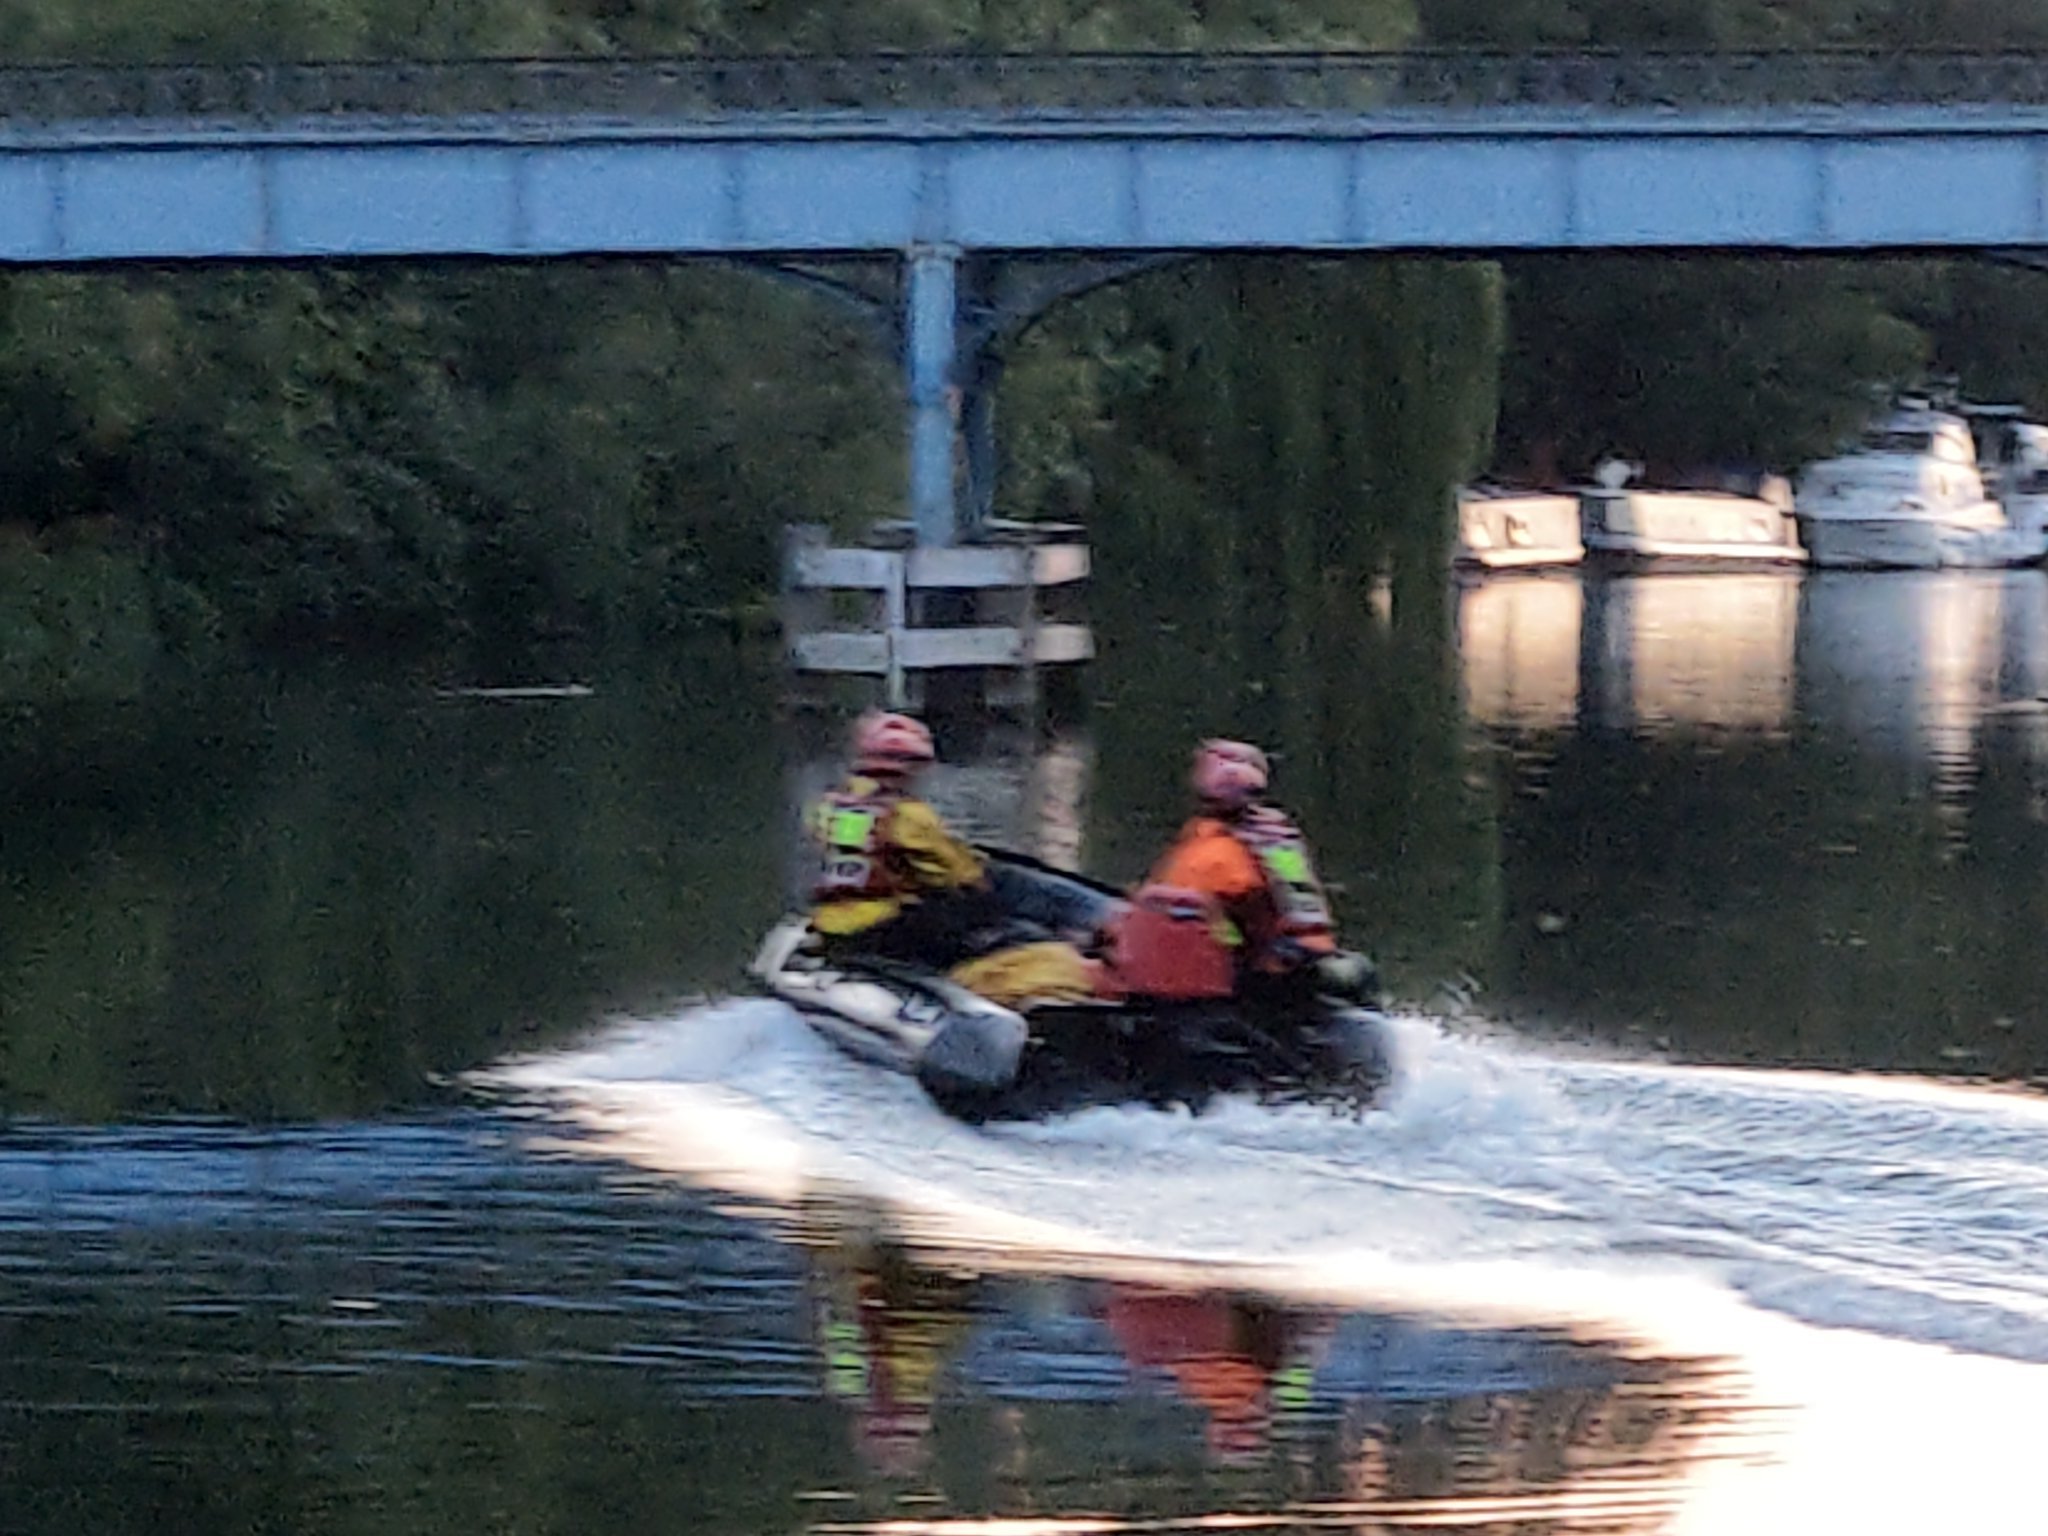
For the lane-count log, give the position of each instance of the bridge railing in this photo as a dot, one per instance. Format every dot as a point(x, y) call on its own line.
point(711, 86)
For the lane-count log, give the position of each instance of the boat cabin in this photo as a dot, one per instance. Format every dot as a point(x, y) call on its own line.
point(2012, 451)
point(1923, 434)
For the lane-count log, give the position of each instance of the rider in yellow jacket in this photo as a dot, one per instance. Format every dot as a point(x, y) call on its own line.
point(893, 879)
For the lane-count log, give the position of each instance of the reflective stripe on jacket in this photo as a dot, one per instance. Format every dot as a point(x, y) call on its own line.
point(879, 849)
point(853, 829)
point(1291, 881)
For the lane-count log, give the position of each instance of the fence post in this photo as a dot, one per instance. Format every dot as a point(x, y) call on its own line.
point(896, 619)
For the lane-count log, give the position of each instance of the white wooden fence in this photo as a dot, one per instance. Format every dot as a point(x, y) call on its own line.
point(893, 639)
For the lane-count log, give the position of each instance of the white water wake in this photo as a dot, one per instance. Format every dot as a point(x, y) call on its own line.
point(1893, 1207)
point(1871, 1254)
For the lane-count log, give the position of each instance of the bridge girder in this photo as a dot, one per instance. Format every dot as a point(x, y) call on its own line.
point(792, 188)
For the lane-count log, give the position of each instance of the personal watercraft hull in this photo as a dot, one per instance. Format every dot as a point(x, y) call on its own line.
point(980, 1061)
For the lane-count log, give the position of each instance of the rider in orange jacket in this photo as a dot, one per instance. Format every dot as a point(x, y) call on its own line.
point(1253, 861)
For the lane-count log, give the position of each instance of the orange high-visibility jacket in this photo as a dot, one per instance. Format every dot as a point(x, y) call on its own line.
point(1260, 878)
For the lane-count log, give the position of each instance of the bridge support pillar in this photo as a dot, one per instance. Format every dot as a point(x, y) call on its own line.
point(931, 314)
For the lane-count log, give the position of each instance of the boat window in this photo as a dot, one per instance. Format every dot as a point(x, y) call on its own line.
point(1897, 440)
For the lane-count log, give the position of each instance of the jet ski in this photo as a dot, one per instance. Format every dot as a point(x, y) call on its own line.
point(1164, 1024)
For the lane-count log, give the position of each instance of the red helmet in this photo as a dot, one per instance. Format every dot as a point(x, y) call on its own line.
point(1228, 774)
point(889, 743)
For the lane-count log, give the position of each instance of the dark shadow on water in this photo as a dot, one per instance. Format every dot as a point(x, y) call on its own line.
point(337, 886)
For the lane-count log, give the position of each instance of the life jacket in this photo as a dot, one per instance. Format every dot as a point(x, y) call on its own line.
point(1302, 920)
point(856, 864)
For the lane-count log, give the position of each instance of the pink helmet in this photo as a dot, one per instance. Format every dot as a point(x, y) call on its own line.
point(1228, 774)
point(890, 743)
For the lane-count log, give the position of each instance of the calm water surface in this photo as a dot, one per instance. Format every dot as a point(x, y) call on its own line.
point(383, 1145)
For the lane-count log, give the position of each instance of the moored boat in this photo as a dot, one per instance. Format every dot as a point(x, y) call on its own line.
point(2012, 457)
point(1640, 524)
point(1911, 494)
point(1507, 530)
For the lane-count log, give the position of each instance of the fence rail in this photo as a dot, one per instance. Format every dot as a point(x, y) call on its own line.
point(1046, 82)
point(996, 625)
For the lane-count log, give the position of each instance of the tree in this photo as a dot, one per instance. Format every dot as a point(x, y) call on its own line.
point(1694, 363)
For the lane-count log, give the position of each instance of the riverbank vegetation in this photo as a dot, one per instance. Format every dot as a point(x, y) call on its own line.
point(199, 464)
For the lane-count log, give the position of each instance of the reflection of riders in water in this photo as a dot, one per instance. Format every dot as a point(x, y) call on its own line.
point(1238, 1358)
point(1253, 861)
point(887, 1329)
point(893, 880)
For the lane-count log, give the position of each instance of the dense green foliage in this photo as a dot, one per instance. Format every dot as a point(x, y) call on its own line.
point(1693, 364)
point(1679, 24)
point(384, 452)
point(190, 29)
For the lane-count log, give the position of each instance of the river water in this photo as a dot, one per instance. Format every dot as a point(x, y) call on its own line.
point(387, 1142)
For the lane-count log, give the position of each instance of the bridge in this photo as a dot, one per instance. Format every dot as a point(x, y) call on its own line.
point(1000, 183)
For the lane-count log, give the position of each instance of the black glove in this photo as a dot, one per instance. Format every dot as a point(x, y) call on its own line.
point(1349, 975)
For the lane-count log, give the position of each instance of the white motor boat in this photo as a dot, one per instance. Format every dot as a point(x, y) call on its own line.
point(1509, 530)
point(2012, 456)
point(1635, 524)
point(1912, 494)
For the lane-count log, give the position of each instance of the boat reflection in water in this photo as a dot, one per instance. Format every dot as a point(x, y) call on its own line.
point(1051, 1392)
point(426, 1319)
point(1908, 663)
point(1518, 641)
point(1913, 662)
point(1695, 650)
point(1638, 653)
